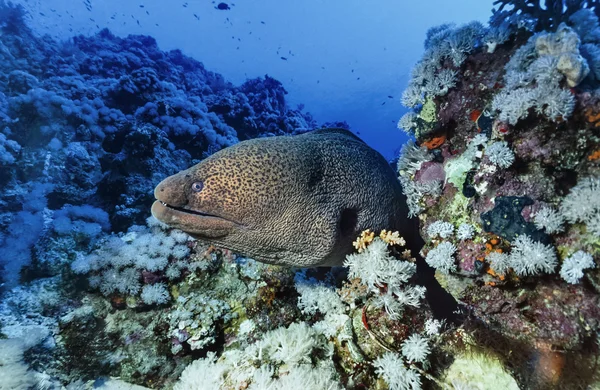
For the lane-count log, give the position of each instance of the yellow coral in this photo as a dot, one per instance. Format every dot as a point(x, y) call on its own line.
point(392, 238)
point(366, 237)
point(407, 255)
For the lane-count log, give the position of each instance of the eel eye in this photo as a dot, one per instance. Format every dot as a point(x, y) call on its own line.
point(197, 186)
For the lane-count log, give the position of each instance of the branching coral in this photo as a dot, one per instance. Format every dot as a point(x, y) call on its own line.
point(539, 15)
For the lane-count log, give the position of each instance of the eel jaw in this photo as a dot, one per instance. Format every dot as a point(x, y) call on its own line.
point(197, 223)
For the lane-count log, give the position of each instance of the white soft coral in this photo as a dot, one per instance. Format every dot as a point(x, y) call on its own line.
point(442, 257)
point(14, 374)
point(392, 369)
point(572, 268)
point(528, 257)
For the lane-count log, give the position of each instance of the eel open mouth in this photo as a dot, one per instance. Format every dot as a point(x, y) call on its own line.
point(192, 221)
point(184, 210)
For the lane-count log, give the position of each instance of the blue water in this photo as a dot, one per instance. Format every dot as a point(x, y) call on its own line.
point(328, 46)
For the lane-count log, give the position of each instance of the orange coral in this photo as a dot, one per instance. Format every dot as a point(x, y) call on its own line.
point(474, 115)
point(594, 156)
point(592, 117)
point(493, 245)
point(493, 273)
point(366, 237)
point(392, 238)
point(435, 142)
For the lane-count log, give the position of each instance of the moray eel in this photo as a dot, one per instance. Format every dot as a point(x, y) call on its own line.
point(288, 200)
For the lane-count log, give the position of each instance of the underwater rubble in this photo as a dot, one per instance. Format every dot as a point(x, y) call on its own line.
point(504, 176)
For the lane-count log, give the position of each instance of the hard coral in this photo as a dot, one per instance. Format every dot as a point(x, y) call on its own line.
point(564, 46)
point(540, 15)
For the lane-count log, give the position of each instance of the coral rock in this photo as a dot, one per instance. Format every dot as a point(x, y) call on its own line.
point(564, 44)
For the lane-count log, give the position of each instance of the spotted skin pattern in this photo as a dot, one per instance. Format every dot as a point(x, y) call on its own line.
point(290, 200)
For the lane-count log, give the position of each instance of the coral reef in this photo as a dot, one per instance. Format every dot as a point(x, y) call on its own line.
point(520, 169)
point(503, 175)
point(100, 124)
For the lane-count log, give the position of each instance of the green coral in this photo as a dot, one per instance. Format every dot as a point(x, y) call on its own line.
point(427, 119)
point(457, 168)
point(474, 369)
point(428, 112)
point(457, 210)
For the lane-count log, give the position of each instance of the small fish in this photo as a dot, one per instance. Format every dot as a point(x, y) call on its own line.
point(196, 16)
point(383, 103)
point(390, 97)
point(223, 7)
point(262, 22)
point(284, 58)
